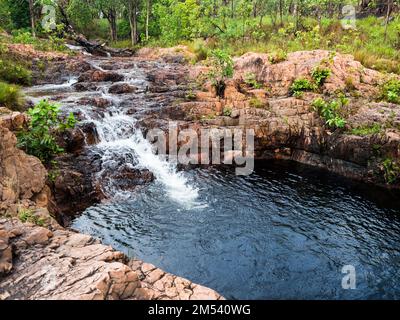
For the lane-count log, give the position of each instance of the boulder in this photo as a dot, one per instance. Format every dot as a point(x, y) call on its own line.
point(121, 88)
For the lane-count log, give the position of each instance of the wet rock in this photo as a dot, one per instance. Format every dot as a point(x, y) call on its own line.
point(121, 88)
point(90, 132)
point(100, 76)
point(84, 86)
point(97, 102)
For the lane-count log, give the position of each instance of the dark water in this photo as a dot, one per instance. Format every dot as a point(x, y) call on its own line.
point(284, 232)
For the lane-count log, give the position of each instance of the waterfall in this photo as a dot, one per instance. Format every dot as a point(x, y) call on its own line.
point(122, 144)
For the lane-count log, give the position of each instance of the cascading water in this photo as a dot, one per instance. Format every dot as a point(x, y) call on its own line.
point(119, 138)
point(120, 143)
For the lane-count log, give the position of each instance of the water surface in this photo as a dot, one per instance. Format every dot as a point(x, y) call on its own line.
point(284, 232)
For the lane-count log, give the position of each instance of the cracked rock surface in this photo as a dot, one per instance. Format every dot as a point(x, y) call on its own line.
point(55, 263)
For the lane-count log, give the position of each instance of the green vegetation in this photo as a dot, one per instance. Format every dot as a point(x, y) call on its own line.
point(277, 56)
point(13, 72)
point(251, 81)
point(330, 111)
point(276, 27)
point(390, 91)
point(391, 170)
point(319, 75)
point(227, 112)
point(256, 103)
point(301, 85)
point(366, 130)
point(221, 69)
point(40, 138)
point(11, 97)
point(27, 216)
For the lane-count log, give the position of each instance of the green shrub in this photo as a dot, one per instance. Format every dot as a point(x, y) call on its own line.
point(200, 50)
point(277, 56)
point(40, 138)
point(390, 91)
point(366, 130)
point(320, 75)
point(391, 170)
point(251, 81)
point(301, 85)
point(14, 73)
point(227, 112)
point(26, 215)
point(256, 103)
point(330, 111)
point(11, 97)
point(221, 70)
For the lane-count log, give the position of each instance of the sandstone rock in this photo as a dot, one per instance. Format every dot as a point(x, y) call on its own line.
point(22, 177)
point(121, 88)
point(64, 265)
point(100, 76)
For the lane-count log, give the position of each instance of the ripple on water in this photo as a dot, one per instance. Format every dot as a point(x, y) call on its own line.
point(284, 232)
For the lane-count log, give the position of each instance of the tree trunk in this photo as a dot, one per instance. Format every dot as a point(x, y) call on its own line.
point(148, 8)
point(389, 10)
point(133, 8)
point(113, 25)
point(32, 14)
point(281, 11)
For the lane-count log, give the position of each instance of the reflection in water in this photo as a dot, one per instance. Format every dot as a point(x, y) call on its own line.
point(284, 232)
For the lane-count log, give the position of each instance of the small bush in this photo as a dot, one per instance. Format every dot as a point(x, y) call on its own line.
point(11, 97)
point(390, 91)
point(330, 111)
point(14, 73)
point(391, 170)
point(39, 139)
point(200, 50)
point(256, 103)
point(28, 216)
point(251, 81)
point(320, 75)
point(277, 56)
point(221, 70)
point(301, 85)
point(366, 130)
point(227, 112)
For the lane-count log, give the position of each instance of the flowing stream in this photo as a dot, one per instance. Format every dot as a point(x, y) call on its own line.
point(284, 232)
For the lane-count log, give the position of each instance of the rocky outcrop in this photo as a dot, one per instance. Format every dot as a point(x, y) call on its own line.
point(22, 177)
point(39, 263)
point(100, 76)
point(287, 127)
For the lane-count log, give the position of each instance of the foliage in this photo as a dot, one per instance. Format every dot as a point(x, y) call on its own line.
point(366, 130)
point(200, 50)
point(251, 81)
point(320, 75)
point(227, 111)
point(221, 70)
point(39, 139)
point(301, 85)
point(27, 216)
point(390, 91)
point(330, 111)
point(256, 103)
point(11, 96)
point(15, 73)
point(277, 56)
point(391, 170)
